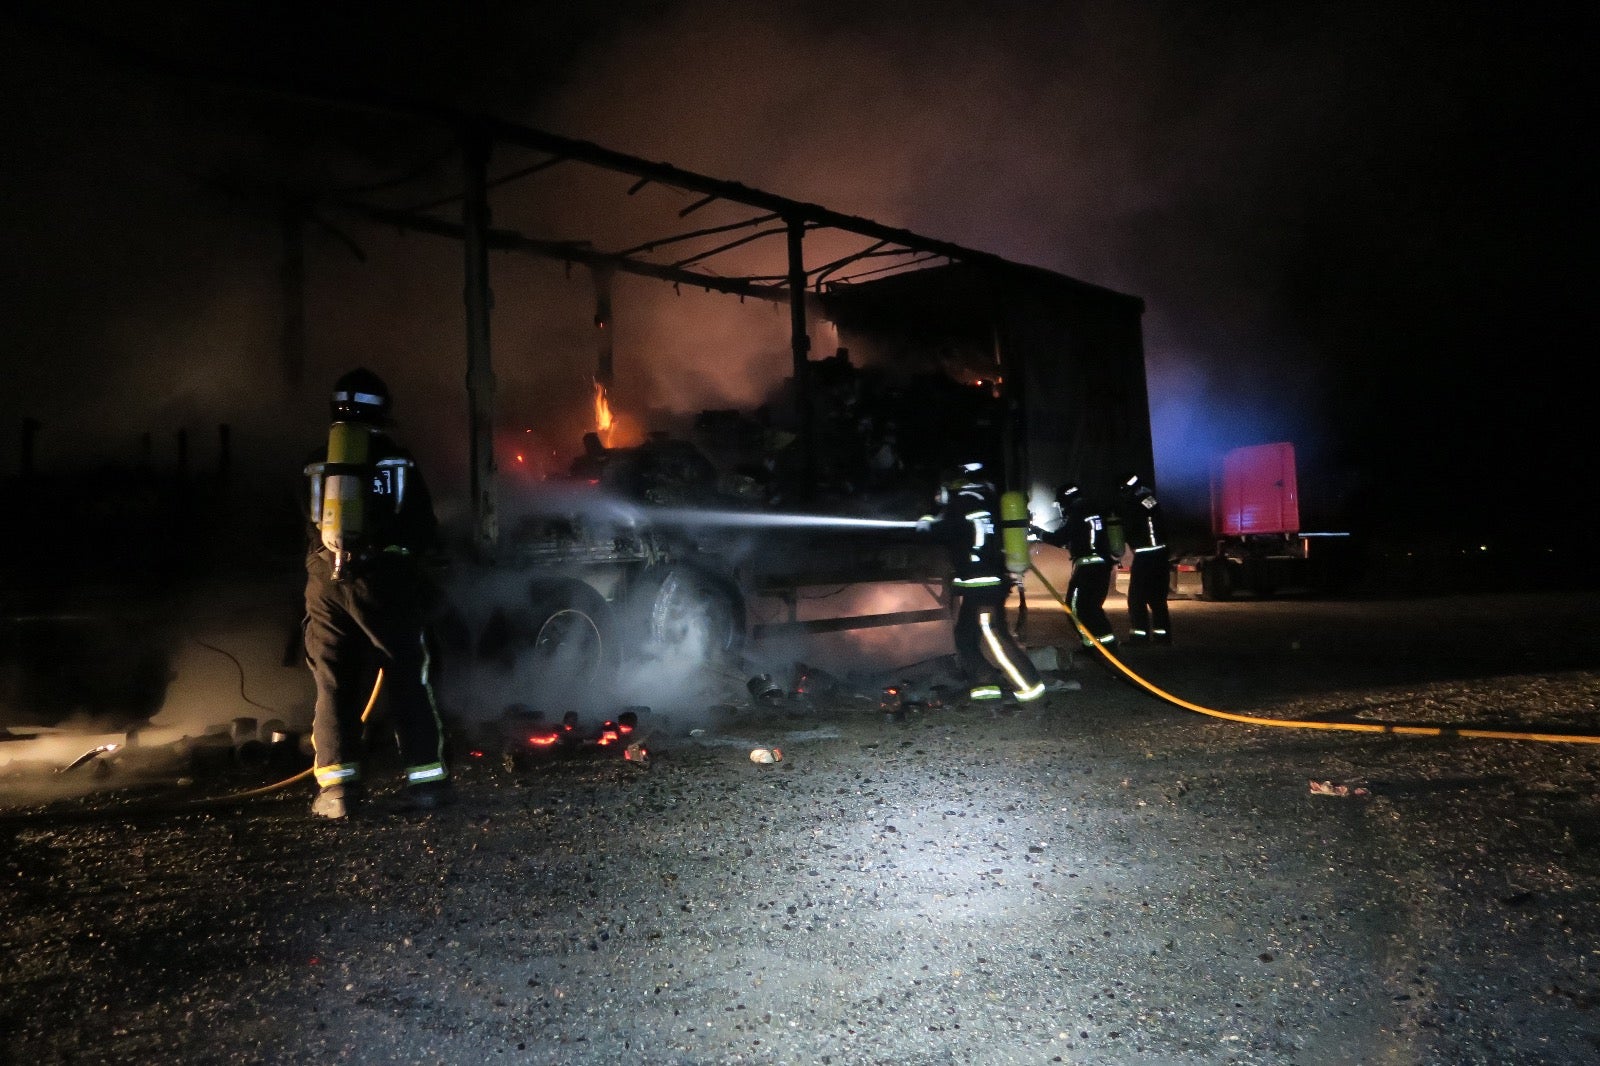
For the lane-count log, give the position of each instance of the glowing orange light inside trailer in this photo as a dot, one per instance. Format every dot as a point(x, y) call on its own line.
point(603, 419)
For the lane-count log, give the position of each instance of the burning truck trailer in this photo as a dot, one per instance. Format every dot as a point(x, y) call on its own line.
point(657, 551)
point(1039, 374)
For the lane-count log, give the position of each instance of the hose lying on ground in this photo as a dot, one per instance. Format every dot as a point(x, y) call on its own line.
point(372, 701)
point(1289, 723)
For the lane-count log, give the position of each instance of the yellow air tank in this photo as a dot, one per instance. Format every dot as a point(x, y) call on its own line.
point(1014, 522)
point(344, 485)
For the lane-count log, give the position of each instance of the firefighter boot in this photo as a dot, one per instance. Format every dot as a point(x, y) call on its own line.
point(431, 796)
point(336, 801)
point(985, 694)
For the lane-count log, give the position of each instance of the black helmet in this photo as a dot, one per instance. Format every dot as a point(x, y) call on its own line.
point(360, 396)
point(1131, 484)
point(959, 474)
point(1066, 491)
point(958, 477)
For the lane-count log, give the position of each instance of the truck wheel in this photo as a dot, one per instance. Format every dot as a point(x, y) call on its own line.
point(572, 636)
point(682, 611)
point(1216, 579)
point(564, 636)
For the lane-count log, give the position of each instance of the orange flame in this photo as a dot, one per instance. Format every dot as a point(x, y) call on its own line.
point(602, 414)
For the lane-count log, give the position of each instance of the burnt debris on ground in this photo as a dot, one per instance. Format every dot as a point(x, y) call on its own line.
point(1097, 878)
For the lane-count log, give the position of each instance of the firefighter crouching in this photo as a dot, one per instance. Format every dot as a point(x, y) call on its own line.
point(966, 523)
point(1082, 532)
point(1144, 528)
point(368, 598)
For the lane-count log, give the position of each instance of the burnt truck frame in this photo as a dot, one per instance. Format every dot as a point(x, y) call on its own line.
point(1062, 361)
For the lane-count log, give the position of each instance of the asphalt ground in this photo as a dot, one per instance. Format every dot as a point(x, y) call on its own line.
point(1101, 877)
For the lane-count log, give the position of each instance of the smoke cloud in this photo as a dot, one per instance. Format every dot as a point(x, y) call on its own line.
point(1273, 181)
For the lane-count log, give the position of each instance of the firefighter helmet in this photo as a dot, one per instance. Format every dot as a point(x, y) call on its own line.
point(969, 473)
point(360, 396)
point(1066, 492)
point(1131, 484)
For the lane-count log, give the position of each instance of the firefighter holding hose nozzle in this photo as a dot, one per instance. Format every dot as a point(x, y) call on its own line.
point(1083, 533)
point(368, 597)
point(989, 655)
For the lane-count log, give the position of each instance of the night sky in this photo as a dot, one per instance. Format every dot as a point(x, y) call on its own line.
point(1367, 229)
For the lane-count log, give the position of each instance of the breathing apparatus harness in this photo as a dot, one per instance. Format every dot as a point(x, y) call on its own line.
point(349, 492)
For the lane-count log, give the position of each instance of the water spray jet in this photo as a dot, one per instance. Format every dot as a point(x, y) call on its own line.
point(685, 516)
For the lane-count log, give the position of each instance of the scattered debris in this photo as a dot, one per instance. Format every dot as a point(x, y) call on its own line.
point(88, 756)
point(525, 738)
point(1046, 658)
point(811, 682)
point(1328, 788)
point(765, 690)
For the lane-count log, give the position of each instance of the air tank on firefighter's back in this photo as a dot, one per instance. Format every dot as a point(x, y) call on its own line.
point(339, 514)
point(1014, 522)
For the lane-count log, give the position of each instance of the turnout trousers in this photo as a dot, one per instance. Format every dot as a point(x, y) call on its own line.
point(373, 619)
point(1086, 595)
point(989, 654)
point(1148, 579)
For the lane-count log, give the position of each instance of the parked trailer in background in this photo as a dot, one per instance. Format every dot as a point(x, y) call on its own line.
point(1260, 548)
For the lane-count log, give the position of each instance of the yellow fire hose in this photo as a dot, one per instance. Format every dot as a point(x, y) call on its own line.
point(372, 701)
point(1288, 723)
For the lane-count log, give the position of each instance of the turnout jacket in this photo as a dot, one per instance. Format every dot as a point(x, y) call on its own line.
point(1144, 525)
point(1082, 532)
point(966, 524)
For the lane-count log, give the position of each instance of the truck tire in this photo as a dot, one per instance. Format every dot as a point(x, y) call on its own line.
point(683, 611)
point(1216, 579)
point(565, 635)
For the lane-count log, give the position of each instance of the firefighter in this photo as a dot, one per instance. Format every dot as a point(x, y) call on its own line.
point(1144, 529)
point(368, 597)
point(1083, 533)
point(988, 653)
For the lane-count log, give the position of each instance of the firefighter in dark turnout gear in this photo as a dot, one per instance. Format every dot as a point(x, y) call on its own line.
point(1144, 529)
point(988, 653)
point(1083, 533)
point(368, 598)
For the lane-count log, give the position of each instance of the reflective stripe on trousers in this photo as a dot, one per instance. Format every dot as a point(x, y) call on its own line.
point(1018, 682)
point(337, 774)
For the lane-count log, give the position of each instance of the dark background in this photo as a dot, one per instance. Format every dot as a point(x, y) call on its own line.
point(1365, 229)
